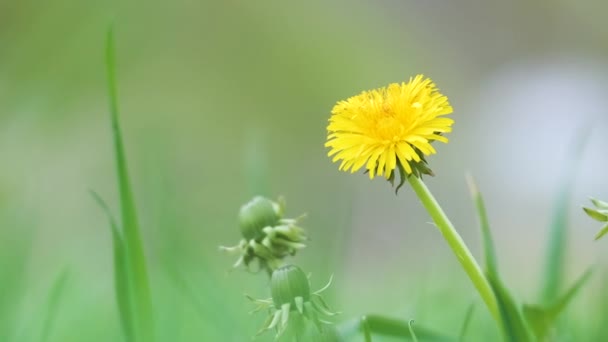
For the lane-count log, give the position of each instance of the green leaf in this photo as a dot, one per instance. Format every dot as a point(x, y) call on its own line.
point(139, 289)
point(53, 304)
point(512, 322)
point(599, 204)
point(389, 327)
point(542, 318)
point(598, 215)
point(602, 232)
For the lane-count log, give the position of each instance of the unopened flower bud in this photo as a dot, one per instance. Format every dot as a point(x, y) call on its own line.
point(267, 236)
point(254, 216)
point(294, 306)
point(288, 283)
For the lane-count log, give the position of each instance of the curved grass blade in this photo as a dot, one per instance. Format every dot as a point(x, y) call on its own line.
point(513, 325)
point(542, 318)
point(121, 274)
point(139, 284)
point(411, 328)
point(388, 327)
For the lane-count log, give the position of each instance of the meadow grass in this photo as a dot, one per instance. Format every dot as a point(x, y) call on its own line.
point(179, 299)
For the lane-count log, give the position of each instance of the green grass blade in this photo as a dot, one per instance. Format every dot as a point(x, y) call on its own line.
point(388, 327)
point(467, 321)
point(562, 302)
point(121, 274)
point(513, 325)
point(489, 252)
point(556, 248)
point(140, 288)
point(541, 318)
point(411, 328)
point(53, 304)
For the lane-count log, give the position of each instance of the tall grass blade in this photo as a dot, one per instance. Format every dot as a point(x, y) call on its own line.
point(489, 252)
point(513, 325)
point(139, 283)
point(53, 304)
point(121, 274)
point(556, 247)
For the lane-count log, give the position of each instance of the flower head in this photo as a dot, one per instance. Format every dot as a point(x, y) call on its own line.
point(388, 128)
point(267, 236)
point(293, 306)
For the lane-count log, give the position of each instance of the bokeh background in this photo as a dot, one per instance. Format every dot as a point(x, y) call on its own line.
point(223, 100)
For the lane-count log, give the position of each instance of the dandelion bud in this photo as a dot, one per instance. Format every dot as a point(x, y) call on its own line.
point(254, 216)
point(288, 283)
point(294, 306)
point(267, 236)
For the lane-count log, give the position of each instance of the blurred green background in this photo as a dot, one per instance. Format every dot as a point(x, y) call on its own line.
point(223, 100)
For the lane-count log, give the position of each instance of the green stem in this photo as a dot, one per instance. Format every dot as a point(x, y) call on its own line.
point(458, 246)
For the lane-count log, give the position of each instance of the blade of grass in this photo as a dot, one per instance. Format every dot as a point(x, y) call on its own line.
point(52, 307)
point(121, 273)
point(467, 320)
point(556, 247)
point(541, 318)
point(513, 325)
point(484, 225)
point(135, 257)
point(389, 327)
point(411, 328)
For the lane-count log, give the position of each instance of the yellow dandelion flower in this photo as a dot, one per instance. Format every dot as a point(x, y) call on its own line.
point(389, 127)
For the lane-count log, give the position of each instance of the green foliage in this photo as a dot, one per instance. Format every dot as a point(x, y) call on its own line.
point(599, 213)
point(539, 318)
point(556, 248)
point(380, 325)
point(542, 318)
point(513, 325)
point(131, 278)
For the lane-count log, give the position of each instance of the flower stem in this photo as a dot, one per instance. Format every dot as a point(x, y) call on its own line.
point(458, 246)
